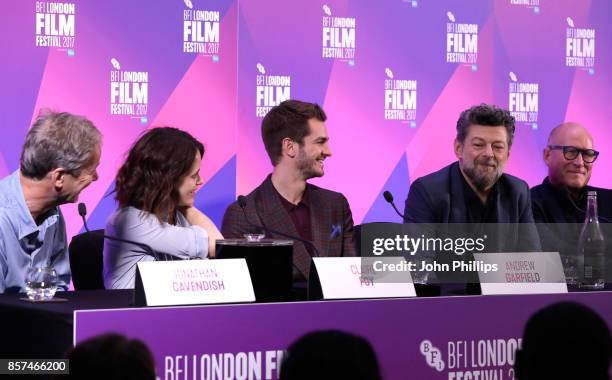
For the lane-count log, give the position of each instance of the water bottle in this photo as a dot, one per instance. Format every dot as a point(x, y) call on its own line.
point(592, 248)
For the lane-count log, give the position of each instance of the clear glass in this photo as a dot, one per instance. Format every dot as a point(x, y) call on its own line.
point(592, 248)
point(41, 283)
point(570, 269)
point(254, 237)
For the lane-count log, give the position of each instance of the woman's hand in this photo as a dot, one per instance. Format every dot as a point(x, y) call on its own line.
point(197, 218)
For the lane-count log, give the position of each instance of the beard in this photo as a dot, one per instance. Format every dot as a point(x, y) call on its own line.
point(483, 173)
point(307, 166)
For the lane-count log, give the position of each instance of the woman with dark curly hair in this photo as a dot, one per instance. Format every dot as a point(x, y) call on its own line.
point(155, 189)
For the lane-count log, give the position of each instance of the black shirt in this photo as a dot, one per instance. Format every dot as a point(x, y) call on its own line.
point(555, 205)
point(560, 217)
point(477, 212)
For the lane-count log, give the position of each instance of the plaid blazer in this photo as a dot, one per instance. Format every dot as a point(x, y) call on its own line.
point(330, 216)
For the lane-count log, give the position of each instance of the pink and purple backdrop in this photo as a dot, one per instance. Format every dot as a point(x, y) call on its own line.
point(214, 96)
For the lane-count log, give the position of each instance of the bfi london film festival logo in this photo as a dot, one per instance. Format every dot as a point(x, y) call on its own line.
point(523, 101)
point(271, 90)
point(400, 99)
point(580, 47)
point(473, 359)
point(201, 31)
point(534, 4)
point(338, 37)
point(461, 42)
point(413, 3)
point(55, 25)
point(129, 92)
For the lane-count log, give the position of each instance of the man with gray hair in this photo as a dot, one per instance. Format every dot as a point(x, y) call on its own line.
point(474, 192)
point(59, 159)
point(474, 189)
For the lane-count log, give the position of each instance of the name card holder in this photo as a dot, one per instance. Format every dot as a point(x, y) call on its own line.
point(192, 282)
point(352, 278)
point(521, 273)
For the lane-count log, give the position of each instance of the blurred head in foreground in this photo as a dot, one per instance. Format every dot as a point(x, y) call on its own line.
point(330, 355)
point(565, 340)
point(111, 356)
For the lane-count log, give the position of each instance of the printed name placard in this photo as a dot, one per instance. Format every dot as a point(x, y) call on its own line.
point(353, 277)
point(190, 282)
point(522, 273)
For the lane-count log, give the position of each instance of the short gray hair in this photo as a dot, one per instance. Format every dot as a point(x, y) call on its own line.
point(58, 140)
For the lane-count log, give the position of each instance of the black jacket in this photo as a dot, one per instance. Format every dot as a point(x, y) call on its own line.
point(440, 198)
point(554, 205)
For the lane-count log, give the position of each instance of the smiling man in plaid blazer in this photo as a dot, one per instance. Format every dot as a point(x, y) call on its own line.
point(296, 140)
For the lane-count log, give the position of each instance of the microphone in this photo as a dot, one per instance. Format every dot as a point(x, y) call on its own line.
point(147, 248)
point(83, 212)
point(389, 198)
point(242, 203)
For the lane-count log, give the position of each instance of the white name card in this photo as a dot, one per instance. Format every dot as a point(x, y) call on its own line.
point(345, 278)
point(522, 273)
point(190, 282)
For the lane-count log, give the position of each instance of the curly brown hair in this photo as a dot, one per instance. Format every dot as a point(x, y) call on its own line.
point(149, 178)
point(486, 115)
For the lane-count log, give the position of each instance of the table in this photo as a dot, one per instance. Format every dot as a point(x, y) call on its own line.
point(474, 334)
point(45, 330)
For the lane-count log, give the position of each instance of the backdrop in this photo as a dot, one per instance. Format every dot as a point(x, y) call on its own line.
point(392, 76)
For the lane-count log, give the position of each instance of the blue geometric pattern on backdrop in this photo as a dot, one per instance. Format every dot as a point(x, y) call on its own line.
point(218, 193)
point(398, 184)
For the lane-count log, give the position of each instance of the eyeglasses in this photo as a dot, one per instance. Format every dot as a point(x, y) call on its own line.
point(571, 152)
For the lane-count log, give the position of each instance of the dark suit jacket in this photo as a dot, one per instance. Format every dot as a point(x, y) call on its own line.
point(554, 205)
point(330, 215)
point(439, 198)
point(560, 218)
